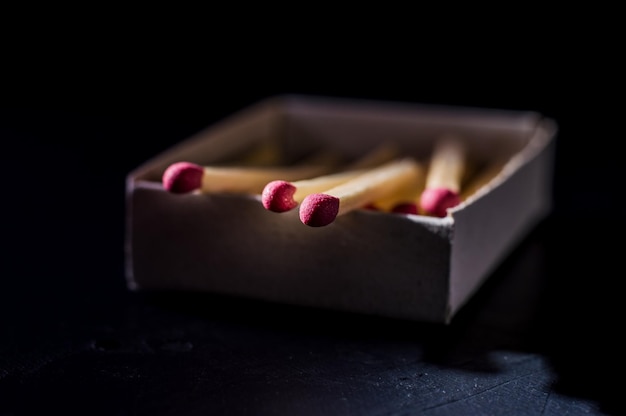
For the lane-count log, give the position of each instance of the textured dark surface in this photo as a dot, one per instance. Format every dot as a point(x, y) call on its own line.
point(541, 337)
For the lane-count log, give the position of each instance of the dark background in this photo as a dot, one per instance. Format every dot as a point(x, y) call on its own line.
point(82, 105)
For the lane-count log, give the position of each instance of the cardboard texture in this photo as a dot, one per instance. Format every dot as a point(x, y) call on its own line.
point(394, 265)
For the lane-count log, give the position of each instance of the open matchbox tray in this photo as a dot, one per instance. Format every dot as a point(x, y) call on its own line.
point(403, 266)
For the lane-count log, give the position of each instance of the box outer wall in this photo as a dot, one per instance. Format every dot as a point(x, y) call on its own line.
point(423, 269)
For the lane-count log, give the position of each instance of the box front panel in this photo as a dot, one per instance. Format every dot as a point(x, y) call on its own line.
point(366, 262)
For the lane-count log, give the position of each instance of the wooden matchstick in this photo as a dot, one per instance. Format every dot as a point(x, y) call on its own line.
point(444, 176)
point(185, 177)
point(321, 209)
point(482, 178)
point(266, 153)
point(380, 154)
point(403, 203)
point(281, 195)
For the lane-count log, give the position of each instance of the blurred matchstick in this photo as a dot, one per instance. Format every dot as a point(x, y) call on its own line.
point(483, 177)
point(185, 177)
point(266, 153)
point(282, 195)
point(443, 178)
point(404, 202)
point(480, 178)
point(321, 209)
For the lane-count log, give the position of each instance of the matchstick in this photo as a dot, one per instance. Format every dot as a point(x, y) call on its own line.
point(185, 177)
point(482, 178)
point(266, 153)
point(380, 154)
point(281, 195)
point(443, 178)
point(321, 209)
point(404, 202)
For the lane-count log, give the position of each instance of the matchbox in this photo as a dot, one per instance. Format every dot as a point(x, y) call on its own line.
point(397, 265)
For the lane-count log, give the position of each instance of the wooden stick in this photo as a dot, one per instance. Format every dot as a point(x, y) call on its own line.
point(382, 153)
point(320, 209)
point(405, 202)
point(444, 177)
point(266, 153)
point(186, 177)
point(482, 178)
point(281, 195)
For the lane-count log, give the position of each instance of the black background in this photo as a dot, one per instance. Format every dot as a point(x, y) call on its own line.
point(84, 103)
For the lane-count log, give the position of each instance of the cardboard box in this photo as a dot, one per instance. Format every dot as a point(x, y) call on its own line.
point(412, 267)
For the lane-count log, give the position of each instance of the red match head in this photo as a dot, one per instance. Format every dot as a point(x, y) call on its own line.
point(371, 207)
point(318, 210)
point(277, 196)
point(405, 208)
point(183, 177)
point(436, 201)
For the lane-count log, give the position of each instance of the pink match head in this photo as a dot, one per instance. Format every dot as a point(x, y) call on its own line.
point(436, 201)
point(183, 177)
point(405, 208)
point(277, 196)
point(371, 207)
point(318, 210)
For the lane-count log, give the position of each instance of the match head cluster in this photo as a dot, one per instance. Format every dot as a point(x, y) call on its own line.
point(321, 199)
